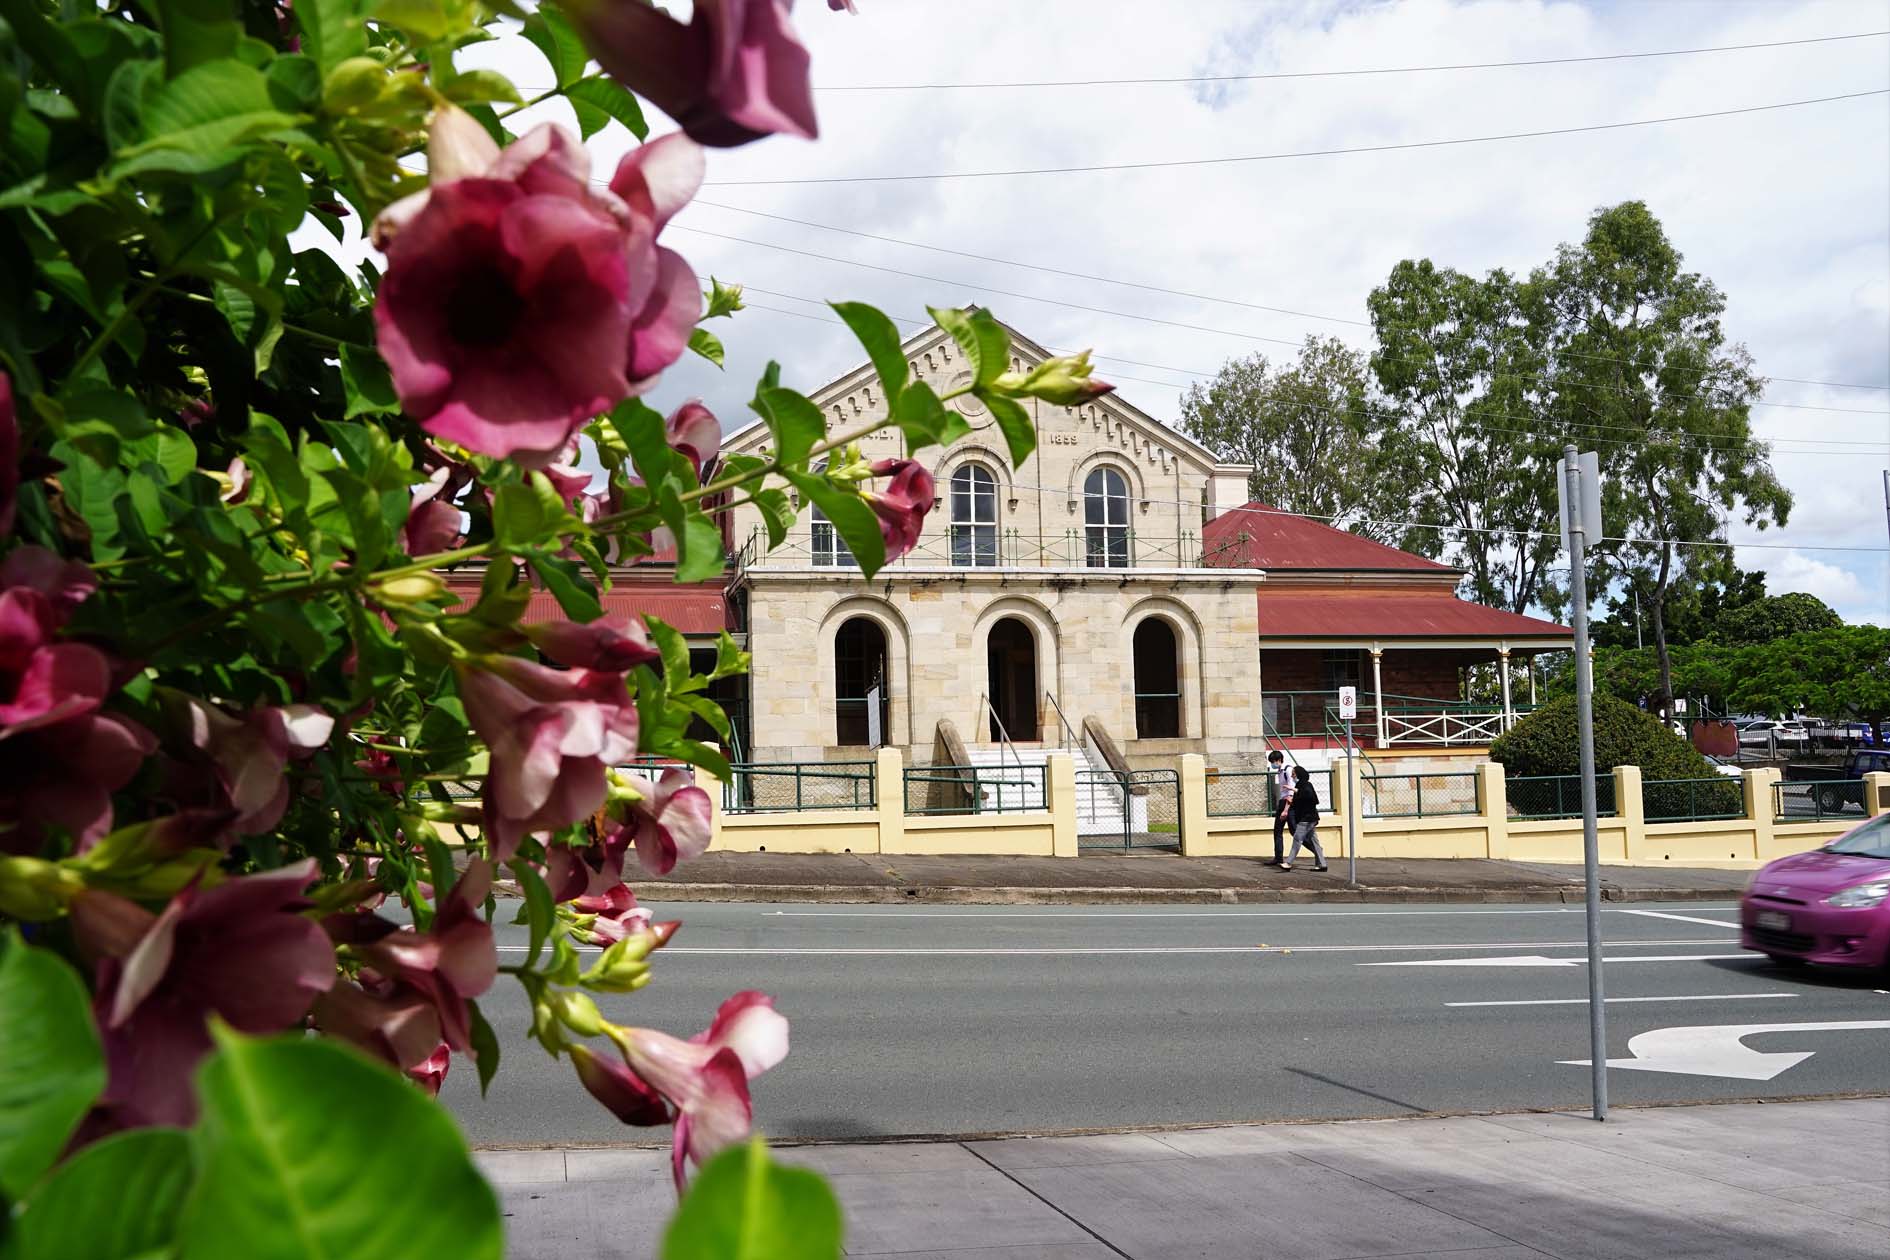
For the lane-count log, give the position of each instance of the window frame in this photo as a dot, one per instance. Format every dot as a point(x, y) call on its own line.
point(1106, 543)
point(979, 482)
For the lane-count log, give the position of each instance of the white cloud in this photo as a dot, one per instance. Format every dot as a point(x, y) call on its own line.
point(1786, 211)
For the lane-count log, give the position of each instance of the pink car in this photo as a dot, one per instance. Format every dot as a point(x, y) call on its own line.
point(1831, 905)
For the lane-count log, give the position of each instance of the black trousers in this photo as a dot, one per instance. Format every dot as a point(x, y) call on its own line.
point(1279, 834)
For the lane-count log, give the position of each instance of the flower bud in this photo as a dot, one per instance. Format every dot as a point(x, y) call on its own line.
point(414, 588)
point(353, 84)
point(457, 146)
point(1064, 381)
point(576, 1012)
point(622, 968)
point(32, 888)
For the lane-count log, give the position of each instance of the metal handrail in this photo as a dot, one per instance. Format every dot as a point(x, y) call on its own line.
point(1070, 739)
point(1004, 736)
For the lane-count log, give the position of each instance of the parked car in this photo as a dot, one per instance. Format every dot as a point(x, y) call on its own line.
point(1833, 796)
point(1831, 905)
point(1770, 734)
point(1725, 765)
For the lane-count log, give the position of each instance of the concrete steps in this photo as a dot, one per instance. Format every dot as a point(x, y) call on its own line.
point(1099, 798)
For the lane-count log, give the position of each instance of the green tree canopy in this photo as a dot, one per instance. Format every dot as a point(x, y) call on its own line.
point(1314, 437)
point(1776, 617)
point(1843, 671)
point(1545, 742)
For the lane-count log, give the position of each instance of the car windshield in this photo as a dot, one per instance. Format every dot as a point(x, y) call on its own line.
point(1871, 840)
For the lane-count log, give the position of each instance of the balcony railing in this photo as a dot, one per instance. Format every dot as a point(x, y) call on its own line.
point(1015, 549)
point(1420, 720)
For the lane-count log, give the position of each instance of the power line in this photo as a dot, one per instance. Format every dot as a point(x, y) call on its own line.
point(1170, 323)
point(1133, 284)
point(1335, 74)
point(1477, 423)
point(1170, 164)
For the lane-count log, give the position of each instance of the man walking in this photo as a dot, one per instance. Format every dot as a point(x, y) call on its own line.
point(1282, 780)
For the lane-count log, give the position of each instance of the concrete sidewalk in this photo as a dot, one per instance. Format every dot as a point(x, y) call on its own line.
point(1158, 878)
point(1742, 1181)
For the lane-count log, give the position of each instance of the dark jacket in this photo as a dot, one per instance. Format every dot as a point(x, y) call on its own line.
point(1305, 804)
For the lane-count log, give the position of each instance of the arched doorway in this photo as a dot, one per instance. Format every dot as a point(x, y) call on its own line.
point(861, 700)
point(1012, 688)
point(1157, 681)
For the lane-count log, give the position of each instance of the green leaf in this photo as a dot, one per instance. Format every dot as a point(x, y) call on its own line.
point(707, 344)
point(176, 454)
point(596, 100)
point(554, 36)
point(332, 30)
point(476, 87)
point(539, 910)
point(568, 586)
point(518, 518)
point(51, 1066)
point(981, 338)
point(675, 652)
point(729, 659)
point(115, 1199)
point(485, 1046)
point(365, 380)
point(1019, 433)
point(777, 513)
point(196, 31)
point(724, 299)
point(698, 548)
point(925, 420)
point(850, 516)
point(431, 20)
point(295, 83)
point(880, 336)
point(298, 1145)
point(744, 1206)
point(706, 709)
point(198, 119)
point(641, 429)
point(794, 421)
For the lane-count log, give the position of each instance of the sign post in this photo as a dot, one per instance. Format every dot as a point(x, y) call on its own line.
point(1348, 713)
point(1581, 521)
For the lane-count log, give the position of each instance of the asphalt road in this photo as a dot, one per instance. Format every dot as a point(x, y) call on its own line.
point(975, 1019)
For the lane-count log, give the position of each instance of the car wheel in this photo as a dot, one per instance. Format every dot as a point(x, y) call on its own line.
point(1830, 800)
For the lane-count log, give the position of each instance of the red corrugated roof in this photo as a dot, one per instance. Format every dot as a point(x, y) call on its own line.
point(1260, 537)
point(1309, 614)
point(693, 609)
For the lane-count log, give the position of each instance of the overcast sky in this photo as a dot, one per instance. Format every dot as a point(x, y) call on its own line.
point(1788, 211)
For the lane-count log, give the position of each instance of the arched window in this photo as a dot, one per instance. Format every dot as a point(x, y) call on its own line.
point(1105, 520)
point(1157, 681)
point(974, 532)
point(830, 549)
point(861, 701)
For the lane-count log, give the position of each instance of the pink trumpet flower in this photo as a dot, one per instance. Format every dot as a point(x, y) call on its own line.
point(671, 822)
point(695, 432)
point(453, 960)
point(902, 505)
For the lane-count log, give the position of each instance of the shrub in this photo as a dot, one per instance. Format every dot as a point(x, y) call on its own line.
point(1545, 742)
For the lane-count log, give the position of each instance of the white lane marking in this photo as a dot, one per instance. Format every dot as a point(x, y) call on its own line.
point(1538, 960)
point(1159, 914)
point(1716, 1050)
point(1582, 1001)
point(1681, 918)
point(827, 951)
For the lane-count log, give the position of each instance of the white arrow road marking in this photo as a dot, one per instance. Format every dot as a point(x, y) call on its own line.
point(1538, 960)
point(1716, 1050)
point(1681, 918)
point(1582, 1001)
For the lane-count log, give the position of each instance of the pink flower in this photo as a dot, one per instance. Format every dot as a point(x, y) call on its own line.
point(509, 294)
point(734, 74)
point(672, 821)
point(591, 870)
point(618, 1088)
point(241, 951)
point(552, 735)
point(453, 960)
point(615, 643)
point(654, 181)
point(705, 1079)
point(397, 1024)
point(614, 915)
point(693, 430)
point(430, 1073)
point(432, 519)
point(61, 756)
point(251, 752)
point(902, 505)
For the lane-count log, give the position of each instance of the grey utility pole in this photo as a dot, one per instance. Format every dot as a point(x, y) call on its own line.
point(1581, 514)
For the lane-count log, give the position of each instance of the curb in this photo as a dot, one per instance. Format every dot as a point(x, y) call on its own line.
point(945, 894)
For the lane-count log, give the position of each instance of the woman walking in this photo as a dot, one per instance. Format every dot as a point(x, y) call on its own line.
point(1304, 816)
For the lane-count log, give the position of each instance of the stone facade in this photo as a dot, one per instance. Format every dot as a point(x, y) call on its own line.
point(1066, 600)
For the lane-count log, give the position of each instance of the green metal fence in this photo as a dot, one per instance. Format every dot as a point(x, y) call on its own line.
point(941, 789)
point(1693, 800)
point(1557, 795)
point(792, 786)
point(1251, 793)
point(1817, 800)
point(1419, 795)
